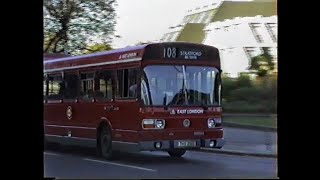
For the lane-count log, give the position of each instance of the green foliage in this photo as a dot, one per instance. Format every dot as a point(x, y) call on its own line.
point(245, 94)
point(241, 96)
point(97, 48)
point(73, 24)
point(242, 107)
point(228, 84)
point(262, 64)
point(249, 107)
point(243, 81)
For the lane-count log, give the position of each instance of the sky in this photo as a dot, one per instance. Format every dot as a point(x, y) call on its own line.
point(148, 20)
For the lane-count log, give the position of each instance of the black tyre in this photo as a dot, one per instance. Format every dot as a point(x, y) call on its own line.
point(105, 143)
point(177, 152)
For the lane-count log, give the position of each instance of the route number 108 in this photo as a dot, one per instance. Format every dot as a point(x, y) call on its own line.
point(170, 52)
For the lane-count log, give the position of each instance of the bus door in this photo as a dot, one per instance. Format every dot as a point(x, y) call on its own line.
point(126, 105)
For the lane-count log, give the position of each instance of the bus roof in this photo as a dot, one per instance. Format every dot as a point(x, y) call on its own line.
point(104, 53)
point(127, 54)
point(49, 56)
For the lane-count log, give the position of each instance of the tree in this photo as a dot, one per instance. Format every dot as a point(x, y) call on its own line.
point(146, 42)
point(73, 24)
point(228, 85)
point(97, 48)
point(262, 64)
point(243, 81)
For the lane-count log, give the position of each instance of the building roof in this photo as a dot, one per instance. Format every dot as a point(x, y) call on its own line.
point(192, 32)
point(231, 9)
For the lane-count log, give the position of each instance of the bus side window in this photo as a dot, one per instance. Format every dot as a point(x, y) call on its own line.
point(87, 85)
point(103, 88)
point(121, 83)
point(55, 87)
point(45, 87)
point(133, 82)
point(71, 84)
point(127, 83)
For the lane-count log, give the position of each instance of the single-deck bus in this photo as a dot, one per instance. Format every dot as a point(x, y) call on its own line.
point(152, 97)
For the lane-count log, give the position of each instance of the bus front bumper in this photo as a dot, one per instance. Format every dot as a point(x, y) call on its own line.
point(181, 144)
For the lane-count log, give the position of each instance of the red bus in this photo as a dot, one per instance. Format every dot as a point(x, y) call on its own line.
point(152, 97)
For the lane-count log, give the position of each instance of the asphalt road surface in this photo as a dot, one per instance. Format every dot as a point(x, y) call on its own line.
point(75, 162)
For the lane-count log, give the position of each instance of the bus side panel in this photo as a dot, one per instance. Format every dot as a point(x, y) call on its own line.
point(125, 120)
point(80, 121)
point(55, 118)
point(83, 123)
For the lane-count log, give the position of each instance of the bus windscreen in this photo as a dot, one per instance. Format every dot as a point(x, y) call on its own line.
point(180, 85)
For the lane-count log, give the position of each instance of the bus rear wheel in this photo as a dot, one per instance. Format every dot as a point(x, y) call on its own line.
point(105, 143)
point(177, 152)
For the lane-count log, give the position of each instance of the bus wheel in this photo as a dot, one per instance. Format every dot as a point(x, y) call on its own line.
point(177, 152)
point(105, 144)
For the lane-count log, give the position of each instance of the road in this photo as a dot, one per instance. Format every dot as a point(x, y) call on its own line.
point(74, 162)
point(238, 135)
point(250, 141)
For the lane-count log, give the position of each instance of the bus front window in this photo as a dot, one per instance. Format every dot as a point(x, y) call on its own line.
point(173, 85)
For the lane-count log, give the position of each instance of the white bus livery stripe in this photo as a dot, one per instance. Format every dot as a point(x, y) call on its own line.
point(77, 127)
point(60, 136)
point(95, 64)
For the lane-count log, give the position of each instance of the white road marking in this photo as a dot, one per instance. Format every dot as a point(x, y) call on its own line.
point(124, 165)
point(48, 153)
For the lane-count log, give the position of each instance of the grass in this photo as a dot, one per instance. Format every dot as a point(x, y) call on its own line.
point(254, 121)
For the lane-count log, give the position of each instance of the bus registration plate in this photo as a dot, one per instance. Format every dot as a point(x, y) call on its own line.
point(186, 143)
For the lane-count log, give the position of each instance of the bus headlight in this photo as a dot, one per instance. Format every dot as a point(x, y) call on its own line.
point(211, 123)
point(153, 123)
point(159, 123)
point(214, 122)
point(218, 121)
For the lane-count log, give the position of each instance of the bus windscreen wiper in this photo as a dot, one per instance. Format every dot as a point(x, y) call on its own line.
point(165, 98)
point(184, 84)
point(204, 106)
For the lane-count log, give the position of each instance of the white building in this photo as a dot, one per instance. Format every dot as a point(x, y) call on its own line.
point(240, 29)
point(199, 15)
point(239, 39)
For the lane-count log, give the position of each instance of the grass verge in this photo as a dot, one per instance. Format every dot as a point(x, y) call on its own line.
point(254, 121)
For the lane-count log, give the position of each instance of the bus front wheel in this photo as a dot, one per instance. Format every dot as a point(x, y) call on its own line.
point(177, 152)
point(105, 143)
